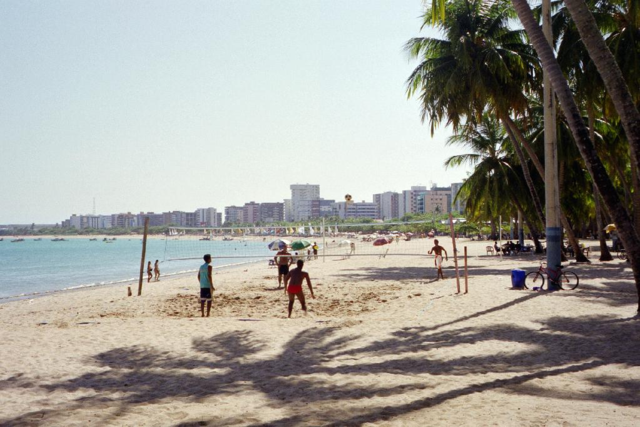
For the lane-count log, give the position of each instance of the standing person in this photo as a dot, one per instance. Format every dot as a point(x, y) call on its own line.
point(149, 272)
point(315, 250)
point(353, 248)
point(294, 280)
point(205, 277)
point(156, 270)
point(438, 260)
point(283, 261)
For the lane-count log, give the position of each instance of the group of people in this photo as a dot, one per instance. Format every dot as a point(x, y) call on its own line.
point(293, 280)
point(153, 271)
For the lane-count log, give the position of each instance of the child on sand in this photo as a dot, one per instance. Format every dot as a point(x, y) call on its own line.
point(438, 260)
point(205, 277)
point(296, 276)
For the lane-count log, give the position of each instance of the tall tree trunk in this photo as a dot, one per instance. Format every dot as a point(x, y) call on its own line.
point(580, 133)
point(613, 80)
point(525, 171)
point(510, 124)
point(605, 255)
point(533, 229)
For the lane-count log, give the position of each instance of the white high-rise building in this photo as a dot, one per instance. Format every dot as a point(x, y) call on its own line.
point(207, 217)
point(288, 210)
point(459, 205)
point(301, 194)
point(388, 204)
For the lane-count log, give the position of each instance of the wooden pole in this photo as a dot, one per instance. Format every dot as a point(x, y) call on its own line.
point(466, 273)
point(144, 253)
point(455, 254)
point(324, 243)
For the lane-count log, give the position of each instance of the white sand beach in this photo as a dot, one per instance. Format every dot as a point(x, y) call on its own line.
point(383, 344)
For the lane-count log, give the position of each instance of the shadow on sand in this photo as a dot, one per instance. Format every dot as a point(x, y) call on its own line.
point(229, 363)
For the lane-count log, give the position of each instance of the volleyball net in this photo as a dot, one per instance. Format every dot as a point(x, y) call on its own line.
point(302, 241)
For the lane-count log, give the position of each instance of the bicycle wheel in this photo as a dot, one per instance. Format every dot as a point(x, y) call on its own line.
point(533, 279)
point(569, 280)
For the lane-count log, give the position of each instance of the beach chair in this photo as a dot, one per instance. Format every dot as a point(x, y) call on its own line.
point(490, 250)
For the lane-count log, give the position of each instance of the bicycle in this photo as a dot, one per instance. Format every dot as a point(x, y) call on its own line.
point(568, 280)
point(622, 254)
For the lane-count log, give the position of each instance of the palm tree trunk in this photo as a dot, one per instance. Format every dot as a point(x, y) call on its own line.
point(613, 80)
point(605, 255)
point(580, 133)
point(525, 171)
point(535, 233)
point(512, 129)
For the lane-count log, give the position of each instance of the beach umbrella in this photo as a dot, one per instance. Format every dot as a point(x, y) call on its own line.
point(380, 242)
point(609, 228)
point(300, 244)
point(278, 245)
point(344, 243)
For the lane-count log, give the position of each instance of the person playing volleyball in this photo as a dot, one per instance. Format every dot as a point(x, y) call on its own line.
point(437, 249)
point(294, 279)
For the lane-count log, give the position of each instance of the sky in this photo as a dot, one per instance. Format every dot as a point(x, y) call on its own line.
point(177, 105)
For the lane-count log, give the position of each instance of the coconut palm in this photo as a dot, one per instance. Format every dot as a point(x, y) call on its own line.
point(579, 130)
point(494, 188)
point(581, 137)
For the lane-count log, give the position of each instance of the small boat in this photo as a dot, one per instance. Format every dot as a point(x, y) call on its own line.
point(37, 240)
point(58, 239)
point(17, 240)
point(93, 240)
point(226, 239)
point(205, 238)
point(1, 239)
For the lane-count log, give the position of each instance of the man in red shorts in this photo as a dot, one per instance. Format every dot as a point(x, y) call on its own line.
point(294, 278)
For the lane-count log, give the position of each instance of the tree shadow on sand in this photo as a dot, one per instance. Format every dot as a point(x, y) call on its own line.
point(318, 376)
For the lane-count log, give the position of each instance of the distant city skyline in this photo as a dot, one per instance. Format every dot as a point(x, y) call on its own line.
point(150, 106)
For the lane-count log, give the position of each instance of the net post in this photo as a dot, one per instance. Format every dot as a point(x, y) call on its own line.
point(466, 273)
point(144, 253)
point(455, 254)
point(324, 243)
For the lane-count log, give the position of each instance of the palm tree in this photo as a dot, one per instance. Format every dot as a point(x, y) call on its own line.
point(494, 188)
point(580, 133)
point(480, 61)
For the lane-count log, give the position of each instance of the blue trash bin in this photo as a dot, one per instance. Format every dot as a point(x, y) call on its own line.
point(517, 278)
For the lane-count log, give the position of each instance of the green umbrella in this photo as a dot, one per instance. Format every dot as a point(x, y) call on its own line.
point(300, 244)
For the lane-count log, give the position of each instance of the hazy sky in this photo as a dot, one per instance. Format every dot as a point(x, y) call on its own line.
point(176, 105)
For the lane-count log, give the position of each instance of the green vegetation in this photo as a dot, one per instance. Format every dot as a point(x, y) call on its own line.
point(483, 78)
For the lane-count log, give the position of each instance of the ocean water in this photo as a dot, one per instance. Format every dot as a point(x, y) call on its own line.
point(36, 267)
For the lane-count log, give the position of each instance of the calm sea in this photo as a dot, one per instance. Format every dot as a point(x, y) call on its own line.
point(35, 267)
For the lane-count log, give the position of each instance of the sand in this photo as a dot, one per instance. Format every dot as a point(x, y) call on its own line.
point(383, 344)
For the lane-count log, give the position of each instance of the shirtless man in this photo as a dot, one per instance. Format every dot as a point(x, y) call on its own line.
point(294, 280)
point(438, 260)
point(283, 261)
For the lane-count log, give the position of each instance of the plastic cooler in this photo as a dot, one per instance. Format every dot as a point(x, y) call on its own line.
point(517, 278)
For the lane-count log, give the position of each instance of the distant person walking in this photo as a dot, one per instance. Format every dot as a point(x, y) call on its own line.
point(205, 277)
point(156, 270)
point(353, 248)
point(437, 249)
point(283, 261)
point(294, 280)
point(315, 250)
point(149, 272)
